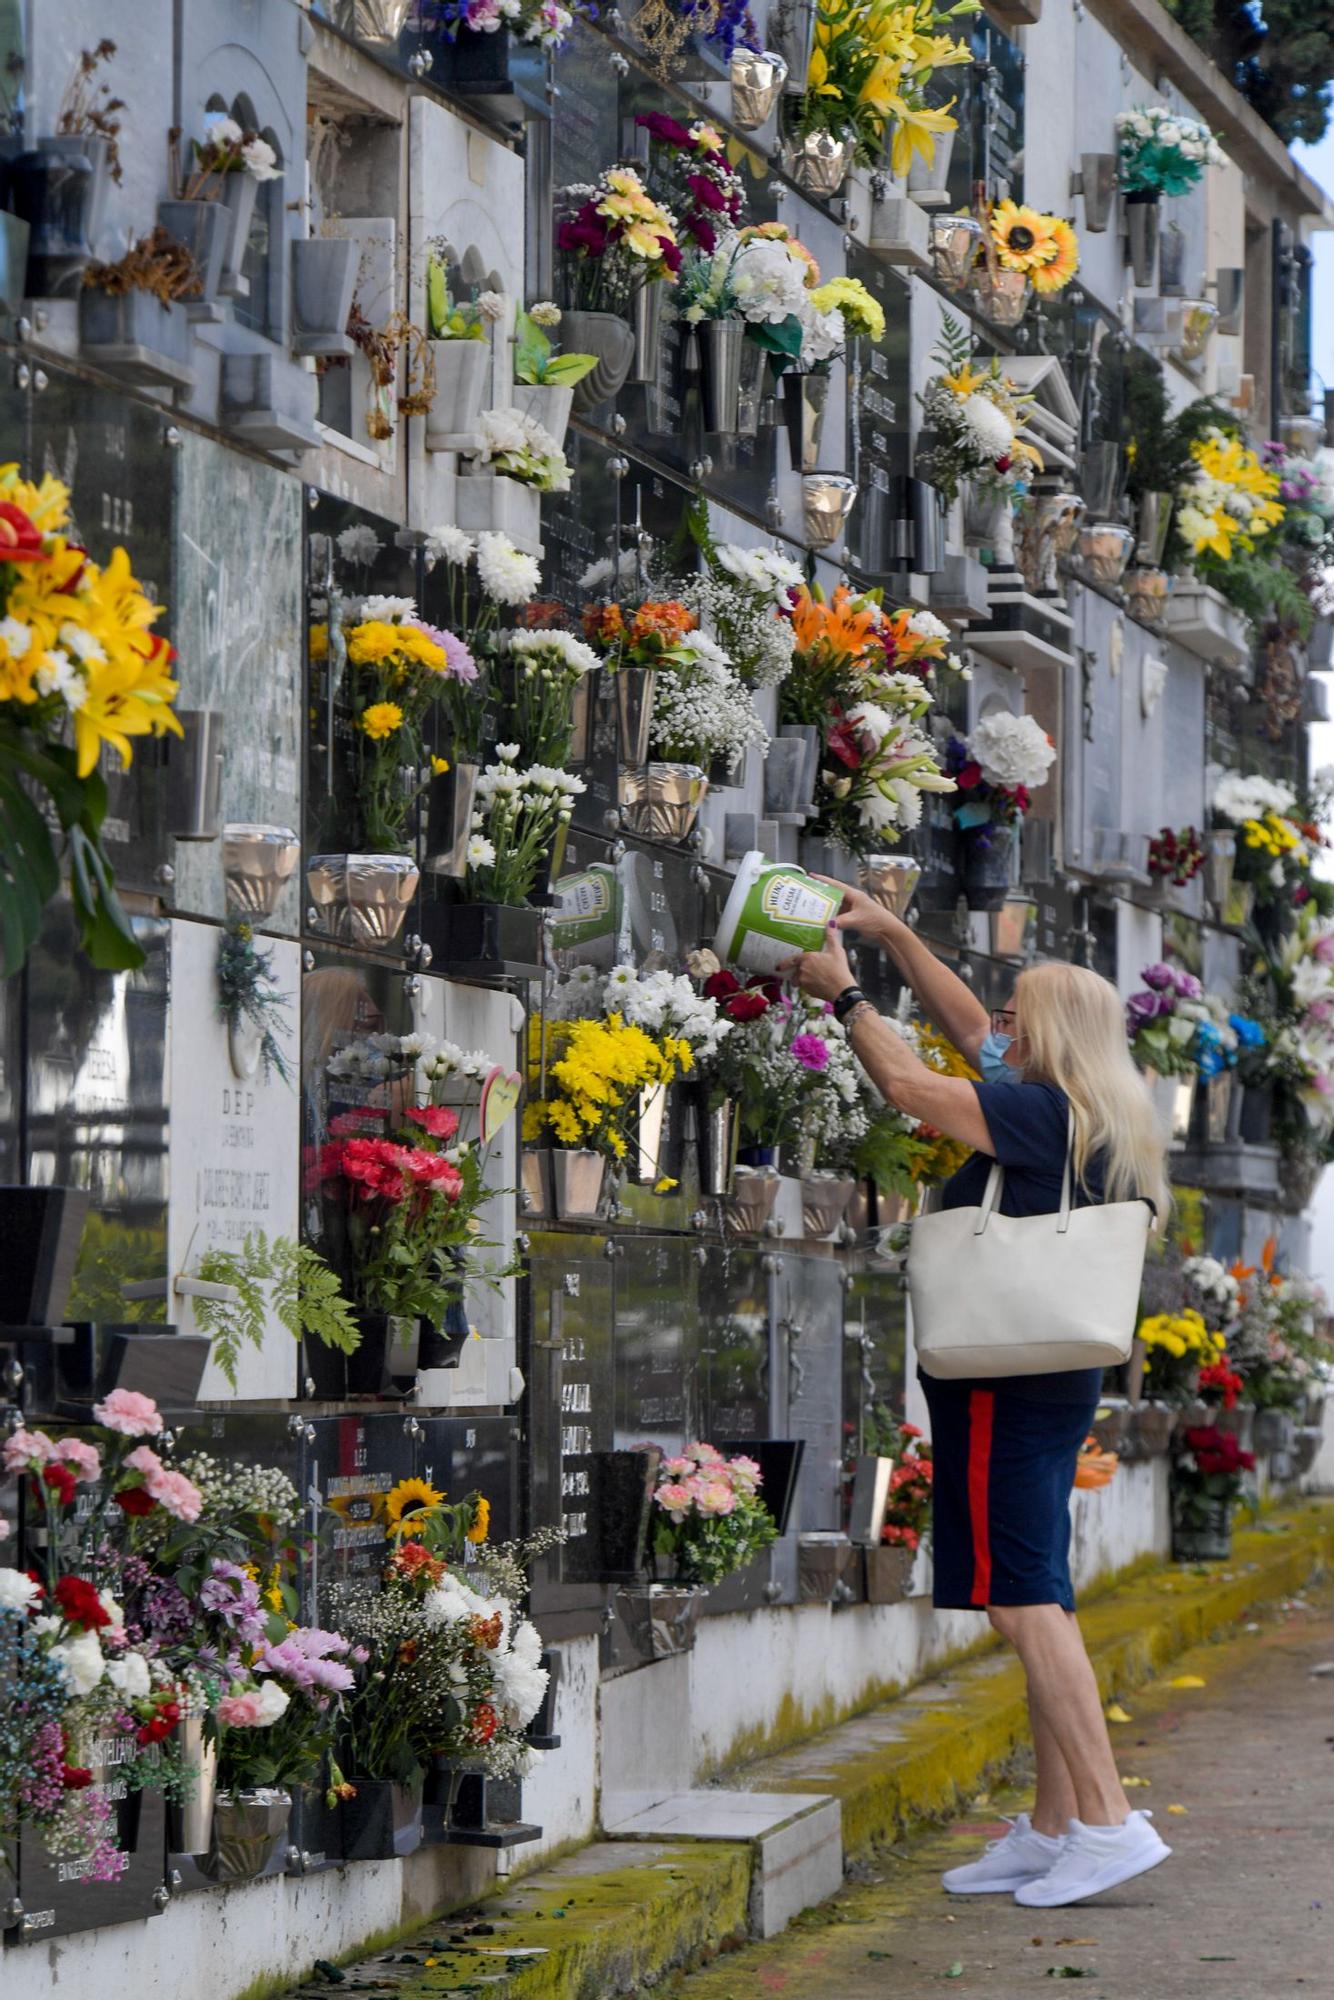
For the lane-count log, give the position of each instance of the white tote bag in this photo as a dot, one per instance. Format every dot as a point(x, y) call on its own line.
point(1000, 1294)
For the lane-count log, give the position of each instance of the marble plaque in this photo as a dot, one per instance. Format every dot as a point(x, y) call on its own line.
point(237, 629)
point(234, 1144)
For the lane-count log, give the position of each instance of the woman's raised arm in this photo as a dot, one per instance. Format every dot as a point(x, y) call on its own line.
point(941, 994)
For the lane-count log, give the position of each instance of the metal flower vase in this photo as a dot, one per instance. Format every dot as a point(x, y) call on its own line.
point(661, 801)
point(662, 1618)
point(819, 162)
point(449, 807)
point(362, 898)
point(824, 1202)
point(190, 1823)
point(247, 1828)
point(891, 880)
point(716, 1138)
point(257, 864)
point(577, 1176)
point(805, 400)
point(379, 21)
point(634, 714)
point(955, 242)
point(747, 1210)
point(1143, 220)
point(791, 30)
point(787, 794)
point(1220, 860)
point(647, 311)
point(720, 345)
point(826, 501)
point(1153, 518)
point(1002, 296)
point(757, 78)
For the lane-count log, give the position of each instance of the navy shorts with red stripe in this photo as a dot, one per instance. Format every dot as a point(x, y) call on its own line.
point(1004, 1469)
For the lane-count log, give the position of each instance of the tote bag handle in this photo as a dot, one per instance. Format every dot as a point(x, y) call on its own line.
point(996, 1183)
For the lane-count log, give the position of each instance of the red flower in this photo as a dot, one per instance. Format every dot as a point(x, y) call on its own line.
point(20, 538)
point(75, 1777)
point(429, 1170)
point(842, 741)
point(969, 775)
point(722, 985)
point(81, 1604)
point(436, 1119)
point(135, 1500)
point(911, 1430)
point(159, 1728)
point(61, 1482)
point(484, 1723)
point(1003, 464)
point(745, 1006)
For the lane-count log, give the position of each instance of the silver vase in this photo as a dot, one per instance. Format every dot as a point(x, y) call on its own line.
point(661, 801)
point(757, 79)
point(1143, 216)
point(190, 1825)
point(721, 346)
point(805, 398)
point(1001, 295)
point(247, 1826)
point(751, 1203)
point(955, 242)
point(577, 1176)
point(634, 714)
point(1104, 551)
point(1147, 592)
point(1220, 859)
point(662, 1618)
point(257, 863)
point(362, 898)
point(1153, 518)
point(824, 1202)
point(646, 322)
point(826, 501)
point(716, 1133)
point(819, 163)
point(380, 21)
point(891, 880)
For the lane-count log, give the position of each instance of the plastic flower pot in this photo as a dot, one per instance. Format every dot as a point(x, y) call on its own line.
point(484, 940)
point(257, 863)
point(362, 898)
point(577, 1177)
point(202, 227)
point(824, 1202)
point(383, 1822)
point(747, 1210)
point(41, 1229)
point(52, 194)
point(612, 339)
point(1206, 1540)
point(492, 500)
point(1143, 219)
point(989, 866)
point(441, 1346)
point(384, 1363)
point(324, 280)
point(548, 403)
point(136, 337)
point(462, 370)
point(928, 180)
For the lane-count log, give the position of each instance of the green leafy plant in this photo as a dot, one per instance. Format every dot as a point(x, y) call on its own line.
point(536, 360)
point(444, 319)
point(306, 1298)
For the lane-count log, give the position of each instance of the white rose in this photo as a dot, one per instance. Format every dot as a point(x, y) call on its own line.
point(273, 1703)
point(129, 1676)
point(81, 1660)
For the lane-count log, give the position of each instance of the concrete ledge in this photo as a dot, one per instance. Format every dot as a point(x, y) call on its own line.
point(920, 1756)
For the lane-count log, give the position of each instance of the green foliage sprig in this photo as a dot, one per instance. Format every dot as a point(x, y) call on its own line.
point(306, 1298)
point(246, 994)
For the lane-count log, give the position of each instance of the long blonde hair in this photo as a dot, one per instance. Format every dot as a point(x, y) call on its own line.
point(1072, 1032)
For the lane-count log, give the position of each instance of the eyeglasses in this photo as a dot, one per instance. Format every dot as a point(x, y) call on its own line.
point(1003, 1019)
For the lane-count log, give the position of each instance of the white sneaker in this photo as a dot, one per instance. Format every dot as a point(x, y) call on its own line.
point(1021, 1856)
point(1095, 1858)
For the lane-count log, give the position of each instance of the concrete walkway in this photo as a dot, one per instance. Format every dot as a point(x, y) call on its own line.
point(1240, 1776)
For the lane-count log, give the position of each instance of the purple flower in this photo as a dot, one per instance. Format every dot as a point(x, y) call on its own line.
point(1141, 1008)
point(664, 129)
point(811, 1051)
point(1160, 977)
point(1188, 986)
point(462, 666)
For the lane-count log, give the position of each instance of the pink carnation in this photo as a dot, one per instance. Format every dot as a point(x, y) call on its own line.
point(83, 1459)
point(239, 1711)
point(177, 1494)
point(747, 1470)
point(126, 1411)
point(704, 1454)
point(144, 1459)
point(678, 1468)
point(23, 1447)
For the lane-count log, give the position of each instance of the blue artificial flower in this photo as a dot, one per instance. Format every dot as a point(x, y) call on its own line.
point(1249, 1033)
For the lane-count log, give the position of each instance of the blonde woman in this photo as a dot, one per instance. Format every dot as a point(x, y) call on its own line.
point(1005, 1448)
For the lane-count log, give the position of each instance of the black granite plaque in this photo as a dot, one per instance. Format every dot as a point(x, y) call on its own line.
point(734, 1344)
point(879, 398)
point(568, 1407)
point(58, 1898)
point(460, 1455)
point(657, 1323)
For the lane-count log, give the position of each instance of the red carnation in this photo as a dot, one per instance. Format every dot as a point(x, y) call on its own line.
point(81, 1604)
point(436, 1119)
point(969, 775)
point(75, 1777)
point(20, 538)
point(61, 1482)
point(136, 1500)
point(722, 985)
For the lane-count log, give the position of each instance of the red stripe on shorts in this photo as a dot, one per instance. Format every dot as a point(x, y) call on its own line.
point(981, 1411)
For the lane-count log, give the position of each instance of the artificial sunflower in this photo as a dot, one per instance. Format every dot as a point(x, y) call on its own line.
point(481, 1520)
point(408, 1506)
point(1056, 275)
point(1022, 237)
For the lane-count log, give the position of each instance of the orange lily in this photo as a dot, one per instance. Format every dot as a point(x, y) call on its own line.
point(845, 629)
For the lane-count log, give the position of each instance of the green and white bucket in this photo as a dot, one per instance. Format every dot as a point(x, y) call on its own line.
point(774, 911)
point(586, 920)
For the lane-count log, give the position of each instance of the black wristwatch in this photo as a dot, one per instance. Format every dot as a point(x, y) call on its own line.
point(850, 997)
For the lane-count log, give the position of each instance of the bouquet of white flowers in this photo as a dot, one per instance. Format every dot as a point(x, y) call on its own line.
point(523, 449)
point(1162, 152)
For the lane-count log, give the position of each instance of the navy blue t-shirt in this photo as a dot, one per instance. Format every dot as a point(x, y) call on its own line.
point(1028, 1127)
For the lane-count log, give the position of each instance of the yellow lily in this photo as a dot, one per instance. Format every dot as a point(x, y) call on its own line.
point(916, 130)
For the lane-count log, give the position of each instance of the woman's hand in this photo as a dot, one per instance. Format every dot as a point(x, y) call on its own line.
point(859, 912)
point(823, 974)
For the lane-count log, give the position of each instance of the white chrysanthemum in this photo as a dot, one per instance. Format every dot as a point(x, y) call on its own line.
point(555, 647)
point(492, 306)
point(360, 544)
point(481, 852)
point(545, 313)
point(80, 1660)
point(507, 575)
point(452, 544)
point(990, 428)
point(388, 610)
point(823, 337)
point(1240, 797)
point(220, 130)
point(17, 1591)
point(926, 625)
point(1012, 750)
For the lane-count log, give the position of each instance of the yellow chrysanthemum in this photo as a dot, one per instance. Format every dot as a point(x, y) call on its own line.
point(381, 719)
point(318, 641)
point(406, 1506)
point(862, 313)
point(372, 643)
